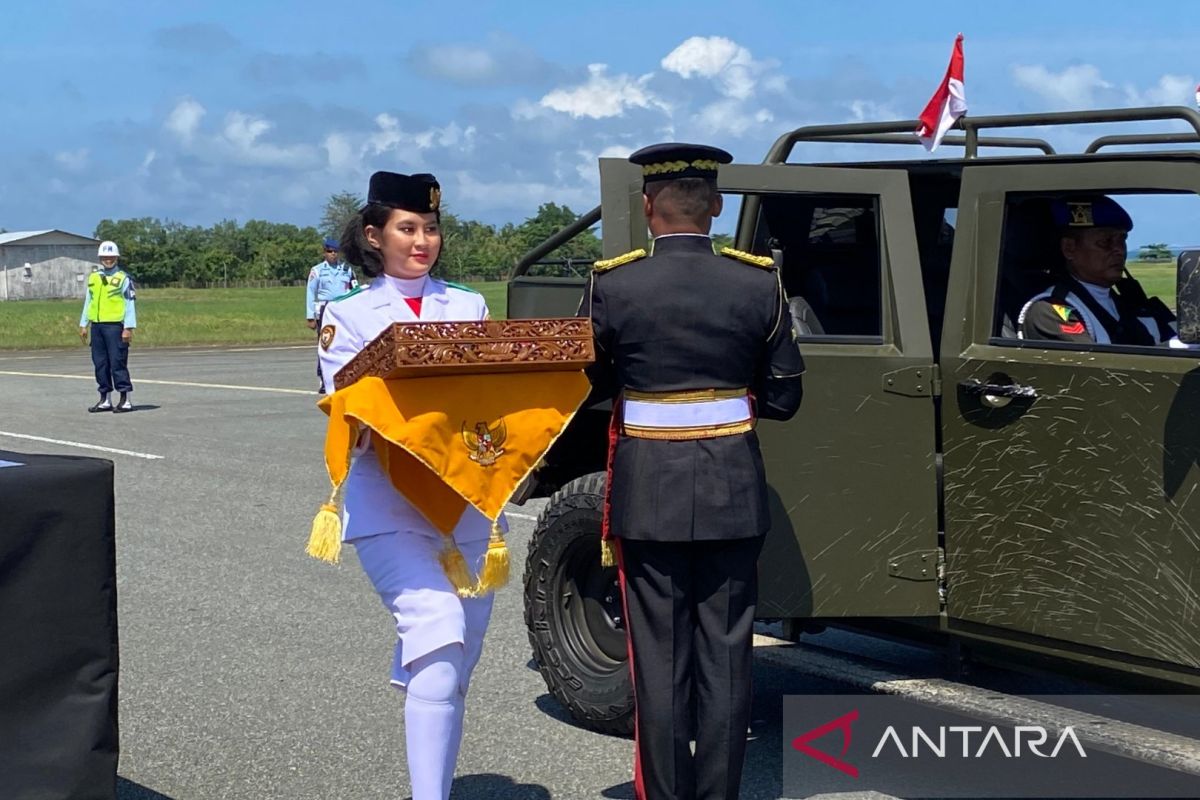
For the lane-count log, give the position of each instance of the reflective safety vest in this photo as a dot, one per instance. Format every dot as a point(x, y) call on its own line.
point(106, 301)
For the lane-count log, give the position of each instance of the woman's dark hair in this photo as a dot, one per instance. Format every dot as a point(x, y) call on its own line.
point(354, 245)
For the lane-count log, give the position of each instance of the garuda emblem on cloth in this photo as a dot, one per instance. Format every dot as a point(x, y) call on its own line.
point(485, 444)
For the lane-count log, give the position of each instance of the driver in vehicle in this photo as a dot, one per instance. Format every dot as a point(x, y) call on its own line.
point(1096, 301)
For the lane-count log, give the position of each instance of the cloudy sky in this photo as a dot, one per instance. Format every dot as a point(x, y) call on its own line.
point(202, 111)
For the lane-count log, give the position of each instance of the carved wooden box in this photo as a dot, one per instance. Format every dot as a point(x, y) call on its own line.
point(420, 349)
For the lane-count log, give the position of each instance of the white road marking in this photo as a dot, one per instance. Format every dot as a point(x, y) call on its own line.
point(65, 443)
point(312, 346)
point(1161, 748)
point(518, 515)
point(24, 358)
point(165, 383)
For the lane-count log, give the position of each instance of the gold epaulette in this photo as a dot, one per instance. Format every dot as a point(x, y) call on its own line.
point(766, 262)
point(609, 263)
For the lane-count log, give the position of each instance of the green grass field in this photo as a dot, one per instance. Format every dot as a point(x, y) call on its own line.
point(275, 316)
point(168, 317)
point(1157, 278)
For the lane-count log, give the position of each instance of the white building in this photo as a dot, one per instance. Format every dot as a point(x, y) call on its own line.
point(45, 264)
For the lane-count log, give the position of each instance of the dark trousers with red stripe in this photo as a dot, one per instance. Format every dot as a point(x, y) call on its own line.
point(690, 615)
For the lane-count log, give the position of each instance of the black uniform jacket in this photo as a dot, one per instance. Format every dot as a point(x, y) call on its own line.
point(681, 319)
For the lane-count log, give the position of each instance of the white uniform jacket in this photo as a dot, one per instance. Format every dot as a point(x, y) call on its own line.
point(372, 505)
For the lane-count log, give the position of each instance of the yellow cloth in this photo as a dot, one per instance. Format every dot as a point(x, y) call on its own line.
point(446, 441)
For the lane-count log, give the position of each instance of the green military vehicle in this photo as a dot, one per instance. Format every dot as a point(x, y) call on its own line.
point(943, 479)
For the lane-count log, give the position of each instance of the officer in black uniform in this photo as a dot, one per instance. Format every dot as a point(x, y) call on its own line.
point(693, 346)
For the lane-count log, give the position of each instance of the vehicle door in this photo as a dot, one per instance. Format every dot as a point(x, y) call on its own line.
point(853, 476)
point(1071, 508)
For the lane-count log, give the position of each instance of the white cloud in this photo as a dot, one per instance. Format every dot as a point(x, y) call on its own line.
point(449, 136)
point(730, 117)
point(149, 159)
point(588, 168)
point(723, 60)
point(603, 95)
point(341, 153)
point(466, 63)
point(1171, 90)
point(870, 111)
point(1075, 87)
point(241, 139)
point(388, 136)
point(518, 192)
point(184, 119)
point(500, 60)
point(72, 160)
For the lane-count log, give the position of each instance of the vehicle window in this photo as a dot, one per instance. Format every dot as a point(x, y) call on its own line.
point(829, 249)
point(1057, 257)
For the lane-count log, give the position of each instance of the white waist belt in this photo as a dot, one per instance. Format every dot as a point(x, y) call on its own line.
point(679, 416)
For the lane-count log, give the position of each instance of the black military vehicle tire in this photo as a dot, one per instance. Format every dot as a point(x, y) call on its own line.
point(573, 610)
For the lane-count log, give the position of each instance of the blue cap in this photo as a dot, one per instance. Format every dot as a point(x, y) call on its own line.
point(331, 243)
point(1090, 212)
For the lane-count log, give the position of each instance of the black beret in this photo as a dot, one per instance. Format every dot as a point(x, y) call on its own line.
point(672, 160)
point(418, 193)
point(1090, 212)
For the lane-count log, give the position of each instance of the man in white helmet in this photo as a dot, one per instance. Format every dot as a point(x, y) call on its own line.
point(108, 307)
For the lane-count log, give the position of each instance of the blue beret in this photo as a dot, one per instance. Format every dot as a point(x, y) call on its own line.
point(1090, 212)
point(673, 160)
point(331, 243)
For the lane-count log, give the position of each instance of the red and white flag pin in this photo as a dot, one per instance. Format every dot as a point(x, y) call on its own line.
point(948, 103)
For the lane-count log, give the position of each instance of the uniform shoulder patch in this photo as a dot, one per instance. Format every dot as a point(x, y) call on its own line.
point(766, 262)
point(624, 258)
point(460, 286)
point(1066, 313)
point(327, 334)
point(350, 293)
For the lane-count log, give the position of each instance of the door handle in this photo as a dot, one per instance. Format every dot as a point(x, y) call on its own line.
point(997, 395)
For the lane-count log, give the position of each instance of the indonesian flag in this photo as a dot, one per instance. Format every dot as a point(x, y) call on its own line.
point(948, 103)
point(1198, 96)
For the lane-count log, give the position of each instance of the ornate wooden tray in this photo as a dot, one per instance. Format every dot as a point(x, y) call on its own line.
point(421, 349)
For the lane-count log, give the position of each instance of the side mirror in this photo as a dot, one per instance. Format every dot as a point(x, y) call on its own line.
point(1187, 296)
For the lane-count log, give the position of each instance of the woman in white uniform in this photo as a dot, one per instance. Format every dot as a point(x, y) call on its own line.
point(396, 240)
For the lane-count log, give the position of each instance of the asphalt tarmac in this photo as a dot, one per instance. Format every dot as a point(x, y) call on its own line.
point(249, 670)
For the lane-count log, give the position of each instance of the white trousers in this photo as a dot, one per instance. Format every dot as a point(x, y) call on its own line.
point(439, 642)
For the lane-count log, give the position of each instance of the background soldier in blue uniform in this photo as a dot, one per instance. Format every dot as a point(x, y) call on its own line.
point(694, 346)
point(108, 307)
point(327, 280)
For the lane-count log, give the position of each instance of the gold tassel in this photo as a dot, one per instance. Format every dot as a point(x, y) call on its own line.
point(325, 540)
point(455, 566)
point(608, 556)
point(495, 564)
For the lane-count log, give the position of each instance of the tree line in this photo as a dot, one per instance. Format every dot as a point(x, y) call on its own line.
point(160, 252)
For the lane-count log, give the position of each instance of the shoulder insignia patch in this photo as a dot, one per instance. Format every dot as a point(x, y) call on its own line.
point(347, 294)
point(1065, 313)
point(327, 334)
point(460, 286)
point(609, 263)
point(766, 262)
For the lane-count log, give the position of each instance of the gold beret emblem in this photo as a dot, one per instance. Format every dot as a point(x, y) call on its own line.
point(1081, 213)
point(435, 198)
